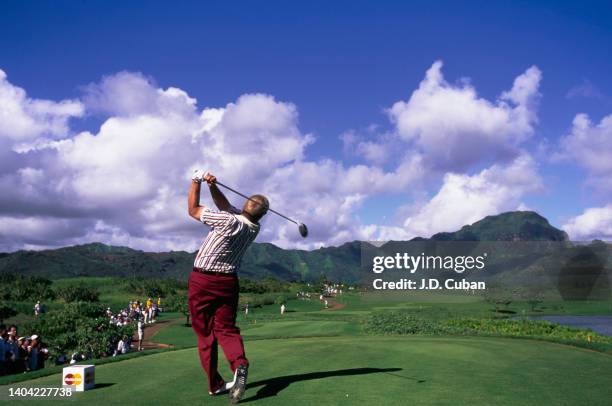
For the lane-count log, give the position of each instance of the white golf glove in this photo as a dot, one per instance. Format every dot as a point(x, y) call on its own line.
point(199, 175)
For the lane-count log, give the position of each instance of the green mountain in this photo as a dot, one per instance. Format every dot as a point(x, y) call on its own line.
point(261, 260)
point(511, 226)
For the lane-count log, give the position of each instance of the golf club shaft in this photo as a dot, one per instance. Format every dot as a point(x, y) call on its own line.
point(248, 198)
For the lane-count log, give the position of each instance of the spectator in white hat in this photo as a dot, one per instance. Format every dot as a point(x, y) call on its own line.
point(33, 349)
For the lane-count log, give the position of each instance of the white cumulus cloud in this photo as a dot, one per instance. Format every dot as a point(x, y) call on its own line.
point(464, 199)
point(452, 125)
point(590, 145)
point(593, 223)
point(23, 118)
point(130, 93)
point(126, 182)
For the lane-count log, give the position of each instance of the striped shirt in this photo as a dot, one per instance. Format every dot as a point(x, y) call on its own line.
point(229, 237)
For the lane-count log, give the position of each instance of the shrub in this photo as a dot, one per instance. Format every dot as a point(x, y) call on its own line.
point(78, 327)
point(178, 303)
point(153, 287)
point(525, 328)
point(280, 300)
point(24, 288)
point(404, 323)
point(78, 293)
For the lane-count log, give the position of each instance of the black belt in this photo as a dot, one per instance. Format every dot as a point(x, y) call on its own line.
point(204, 271)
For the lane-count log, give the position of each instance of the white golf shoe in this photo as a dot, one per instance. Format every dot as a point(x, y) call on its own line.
point(226, 387)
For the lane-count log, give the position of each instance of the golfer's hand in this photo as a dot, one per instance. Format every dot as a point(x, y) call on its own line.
point(198, 175)
point(209, 178)
point(203, 176)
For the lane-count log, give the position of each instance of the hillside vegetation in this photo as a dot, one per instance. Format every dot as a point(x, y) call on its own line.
point(262, 260)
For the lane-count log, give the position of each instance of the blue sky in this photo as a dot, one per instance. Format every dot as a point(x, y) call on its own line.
point(341, 63)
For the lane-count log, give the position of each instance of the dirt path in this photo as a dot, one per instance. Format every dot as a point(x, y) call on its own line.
point(333, 305)
point(150, 331)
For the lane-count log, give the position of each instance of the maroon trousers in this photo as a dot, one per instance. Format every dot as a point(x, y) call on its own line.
point(213, 302)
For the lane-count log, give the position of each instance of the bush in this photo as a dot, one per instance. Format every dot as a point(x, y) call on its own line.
point(525, 328)
point(24, 288)
point(78, 327)
point(403, 323)
point(153, 287)
point(178, 303)
point(280, 300)
point(78, 293)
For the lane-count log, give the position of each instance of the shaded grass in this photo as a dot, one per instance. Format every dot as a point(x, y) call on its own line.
point(9, 379)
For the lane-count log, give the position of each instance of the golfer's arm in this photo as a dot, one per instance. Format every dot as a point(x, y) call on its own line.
point(193, 204)
point(219, 198)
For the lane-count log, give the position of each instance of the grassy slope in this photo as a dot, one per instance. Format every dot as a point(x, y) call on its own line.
point(419, 370)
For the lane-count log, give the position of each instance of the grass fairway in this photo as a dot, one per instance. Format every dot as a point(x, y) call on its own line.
point(181, 336)
point(369, 370)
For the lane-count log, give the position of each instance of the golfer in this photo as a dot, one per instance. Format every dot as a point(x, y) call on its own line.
point(213, 284)
point(140, 334)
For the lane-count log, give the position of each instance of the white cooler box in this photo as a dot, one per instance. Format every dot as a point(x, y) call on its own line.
point(82, 377)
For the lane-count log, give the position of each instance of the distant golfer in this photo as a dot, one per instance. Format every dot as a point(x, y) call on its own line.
point(38, 308)
point(213, 284)
point(140, 330)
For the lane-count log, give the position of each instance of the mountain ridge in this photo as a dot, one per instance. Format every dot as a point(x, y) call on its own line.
point(262, 260)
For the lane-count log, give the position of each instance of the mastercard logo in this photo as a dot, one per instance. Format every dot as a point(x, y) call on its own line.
point(73, 379)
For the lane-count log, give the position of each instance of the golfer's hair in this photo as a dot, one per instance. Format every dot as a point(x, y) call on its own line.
point(257, 206)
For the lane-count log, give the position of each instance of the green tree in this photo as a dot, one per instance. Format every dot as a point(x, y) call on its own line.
point(500, 297)
point(178, 303)
point(24, 288)
point(533, 295)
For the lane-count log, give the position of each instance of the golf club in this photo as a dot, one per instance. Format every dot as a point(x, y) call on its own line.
point(301, 226)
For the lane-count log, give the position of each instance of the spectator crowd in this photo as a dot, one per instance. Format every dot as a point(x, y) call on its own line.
point(146, 312)
point(141, 313)
point(20, 354)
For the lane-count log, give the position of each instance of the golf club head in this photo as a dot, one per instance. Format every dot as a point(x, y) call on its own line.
point(303, 229)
